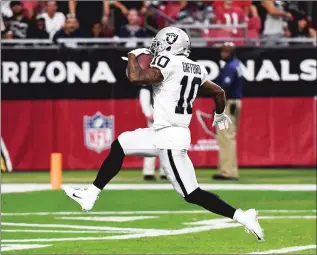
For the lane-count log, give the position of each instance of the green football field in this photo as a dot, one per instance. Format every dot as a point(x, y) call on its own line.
point(158, 221)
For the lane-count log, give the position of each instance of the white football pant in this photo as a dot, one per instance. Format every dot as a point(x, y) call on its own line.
point(175, 162)
point(149, 163)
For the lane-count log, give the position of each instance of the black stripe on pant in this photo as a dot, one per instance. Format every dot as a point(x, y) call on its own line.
point(178, 178)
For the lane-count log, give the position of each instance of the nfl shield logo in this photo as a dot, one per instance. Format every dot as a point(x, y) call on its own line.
point(98, 131)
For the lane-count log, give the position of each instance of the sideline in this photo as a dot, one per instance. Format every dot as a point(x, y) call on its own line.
point(18, 188)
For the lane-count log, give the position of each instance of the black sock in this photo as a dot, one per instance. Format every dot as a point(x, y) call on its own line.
point(210, 202)
point(111, 165)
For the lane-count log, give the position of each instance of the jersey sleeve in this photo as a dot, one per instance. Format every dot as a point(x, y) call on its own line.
point(204, 75)
point(164, 64)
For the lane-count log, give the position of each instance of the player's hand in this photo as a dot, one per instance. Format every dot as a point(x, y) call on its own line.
point(140, 51)
point(221, 120)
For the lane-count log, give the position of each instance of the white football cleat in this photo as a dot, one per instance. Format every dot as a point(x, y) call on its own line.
point(249, 219)
point(84, 198)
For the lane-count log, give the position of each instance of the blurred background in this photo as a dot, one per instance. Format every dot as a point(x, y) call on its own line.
point(64, 87)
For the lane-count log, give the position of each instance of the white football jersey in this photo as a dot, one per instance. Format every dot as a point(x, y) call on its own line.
point(174, 97)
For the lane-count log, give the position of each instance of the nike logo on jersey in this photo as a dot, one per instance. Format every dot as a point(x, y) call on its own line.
point(74, 195)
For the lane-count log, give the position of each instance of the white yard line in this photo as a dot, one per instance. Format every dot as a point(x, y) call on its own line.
point(216, 224)
point(208, 222)
point(69, 226)
point(16, 188)
point(14, 247)
point(139, 233)
point(287, 249)
point(141, 212)
point(109, 219)
point(52, 231)
point(287, 211)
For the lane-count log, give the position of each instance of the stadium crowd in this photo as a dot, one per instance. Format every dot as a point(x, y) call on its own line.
point(269, 19)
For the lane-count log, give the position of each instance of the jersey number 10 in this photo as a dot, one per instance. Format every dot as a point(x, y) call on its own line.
point(180, 108)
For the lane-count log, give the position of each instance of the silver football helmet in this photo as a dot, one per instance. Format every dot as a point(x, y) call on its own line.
point(171, 41)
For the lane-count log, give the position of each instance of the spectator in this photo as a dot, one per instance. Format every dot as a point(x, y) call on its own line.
point(231, 80)
point(140, 6)
point(274, 26)
point(53, 20)
point(152, 21)
point(5, 9)
point(70, 30)
point(132, 29)
point(18, 24)
point(300, 29)
point(38, 30)
point(3, 28)
point(246, 5)
point(5, 34)
point(88, 13)
point(29, 7)
point(40, 8)
point(230, 14)
point(107, 29)
point(96, 31)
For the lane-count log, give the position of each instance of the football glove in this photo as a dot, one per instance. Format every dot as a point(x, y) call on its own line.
point(221, 121)
point(140, 51)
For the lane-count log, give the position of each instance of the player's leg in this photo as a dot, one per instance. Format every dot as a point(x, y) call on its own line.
point(180, 171)
point(162, 173)
point(138, 142)
point(149, 168)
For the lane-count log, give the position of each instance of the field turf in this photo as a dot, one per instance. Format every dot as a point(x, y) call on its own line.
point(157, 221)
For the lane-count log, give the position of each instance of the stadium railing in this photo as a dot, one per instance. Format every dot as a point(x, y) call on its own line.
point(76, 42)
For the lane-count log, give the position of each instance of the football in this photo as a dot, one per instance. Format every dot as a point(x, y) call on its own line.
point(144, 60)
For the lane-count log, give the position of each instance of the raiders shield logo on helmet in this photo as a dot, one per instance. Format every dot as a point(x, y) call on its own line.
point(171, 38)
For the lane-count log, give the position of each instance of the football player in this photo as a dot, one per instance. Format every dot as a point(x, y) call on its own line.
point(176, 80)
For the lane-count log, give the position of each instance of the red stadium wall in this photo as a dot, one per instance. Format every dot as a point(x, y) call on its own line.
point(272, 132)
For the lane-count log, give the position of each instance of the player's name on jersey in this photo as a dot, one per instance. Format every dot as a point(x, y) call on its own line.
point(191, 68)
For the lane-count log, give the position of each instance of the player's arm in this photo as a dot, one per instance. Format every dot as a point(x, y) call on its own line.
point(137, 75)
point(221, 120)
point(217, 93)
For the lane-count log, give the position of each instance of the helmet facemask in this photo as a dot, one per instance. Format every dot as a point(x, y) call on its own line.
point(157, 46)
